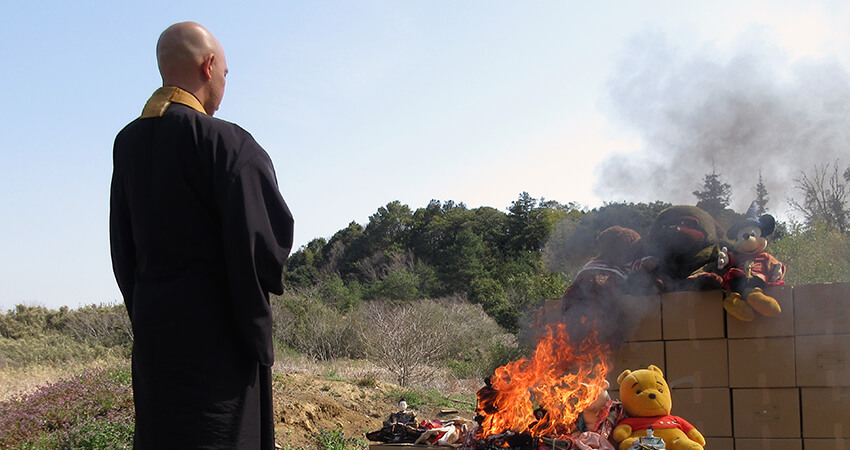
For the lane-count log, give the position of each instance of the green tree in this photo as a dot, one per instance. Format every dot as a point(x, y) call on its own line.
point(492, 297)
point(343, 251)
point(714, 195)
point(462, 261)
point(388, 227)
point(303, 268)
point(761, 196)
point(400, 285)
point(529, 222)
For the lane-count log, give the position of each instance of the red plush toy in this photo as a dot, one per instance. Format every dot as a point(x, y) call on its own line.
point(749, 268)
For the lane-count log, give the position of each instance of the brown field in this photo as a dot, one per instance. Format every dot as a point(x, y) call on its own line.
point(308, 396)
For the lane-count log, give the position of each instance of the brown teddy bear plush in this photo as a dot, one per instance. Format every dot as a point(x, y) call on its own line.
point(685, 240)
point(596, 299)
point(647, 401)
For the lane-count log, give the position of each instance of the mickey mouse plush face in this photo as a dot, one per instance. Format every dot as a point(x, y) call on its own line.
point(749, 240)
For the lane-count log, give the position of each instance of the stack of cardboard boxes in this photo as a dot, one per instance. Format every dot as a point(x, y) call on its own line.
point(773, 383)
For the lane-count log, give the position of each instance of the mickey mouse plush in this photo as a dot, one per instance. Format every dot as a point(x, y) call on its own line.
point(750, 268)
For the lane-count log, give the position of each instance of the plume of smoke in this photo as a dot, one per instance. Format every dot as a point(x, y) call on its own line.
point(754, 110)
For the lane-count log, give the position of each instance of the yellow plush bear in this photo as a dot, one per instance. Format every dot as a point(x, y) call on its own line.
point(647, 402)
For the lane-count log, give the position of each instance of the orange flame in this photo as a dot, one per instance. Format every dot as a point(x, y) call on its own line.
point(561, 379)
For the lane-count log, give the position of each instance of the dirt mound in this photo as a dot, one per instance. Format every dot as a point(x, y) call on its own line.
point(304, 404)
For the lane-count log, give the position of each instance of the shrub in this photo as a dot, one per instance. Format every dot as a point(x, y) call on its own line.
point(336, 440)
point(335, 293)
point(90, 410)
point(51, 348)
point(304, 323)
point(35, 334)
point(817, 254)
point(399, 285)
point(417, 398)
point(104, 325)
point(31, 321)
point(411, 340)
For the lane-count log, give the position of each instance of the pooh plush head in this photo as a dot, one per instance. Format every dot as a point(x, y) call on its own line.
point(647, 402)
point(644, 392)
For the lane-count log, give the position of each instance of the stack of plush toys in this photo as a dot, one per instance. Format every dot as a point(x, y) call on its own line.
point(685, 249)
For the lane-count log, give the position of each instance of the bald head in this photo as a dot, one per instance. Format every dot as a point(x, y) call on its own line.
point(191, 58)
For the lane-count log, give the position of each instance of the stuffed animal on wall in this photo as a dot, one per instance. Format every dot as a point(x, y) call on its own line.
point(749, 268)
point(685, 240)
point(595, 300)
point(647, 402)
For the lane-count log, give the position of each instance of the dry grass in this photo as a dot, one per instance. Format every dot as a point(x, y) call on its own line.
point(20, 380)
point(15, 381)
point(442, 380)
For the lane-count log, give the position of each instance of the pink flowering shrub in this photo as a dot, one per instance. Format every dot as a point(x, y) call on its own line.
point(91, 410)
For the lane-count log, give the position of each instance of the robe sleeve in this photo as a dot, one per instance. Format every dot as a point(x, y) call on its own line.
point(257, 229)
point(122, 247)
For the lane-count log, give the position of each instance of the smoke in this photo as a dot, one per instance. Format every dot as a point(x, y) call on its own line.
point(748, 111)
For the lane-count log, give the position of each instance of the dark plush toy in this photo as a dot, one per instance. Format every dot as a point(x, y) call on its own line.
point(596, 299)
point(684, 239)
point(749, 268)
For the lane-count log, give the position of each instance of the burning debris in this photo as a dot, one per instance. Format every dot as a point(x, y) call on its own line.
point(557, 398)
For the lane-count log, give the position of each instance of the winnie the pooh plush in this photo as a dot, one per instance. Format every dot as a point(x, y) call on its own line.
point(647, 401)
point(749, 268)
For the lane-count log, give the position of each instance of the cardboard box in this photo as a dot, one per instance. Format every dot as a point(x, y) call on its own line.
point(766, 413)
point(719, 443)
point(769, 444)
point(825, 412)
point(636, 355)
point(823, 360)
point(709, 409)
point(822, 309)
point(692, 315)
point(762, 363)
point(761, 326)
point(826, 444)
point(648, 308)
point(698, 363)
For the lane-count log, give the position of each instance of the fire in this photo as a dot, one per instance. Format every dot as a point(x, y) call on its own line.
point(561, 379)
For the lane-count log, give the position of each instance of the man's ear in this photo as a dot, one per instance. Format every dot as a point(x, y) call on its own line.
point(206, 66)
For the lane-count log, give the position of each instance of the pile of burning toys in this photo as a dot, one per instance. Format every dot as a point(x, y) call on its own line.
point(557, 399)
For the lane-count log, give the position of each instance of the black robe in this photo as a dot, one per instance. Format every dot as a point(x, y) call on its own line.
point(199, 235)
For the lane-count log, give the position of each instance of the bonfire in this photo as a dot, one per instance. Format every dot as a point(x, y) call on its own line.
point(537, 402)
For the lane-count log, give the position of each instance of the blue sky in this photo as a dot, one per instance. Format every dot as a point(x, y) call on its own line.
point(360, 103)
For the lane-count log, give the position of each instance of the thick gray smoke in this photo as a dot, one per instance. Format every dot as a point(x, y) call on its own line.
point(752, 110)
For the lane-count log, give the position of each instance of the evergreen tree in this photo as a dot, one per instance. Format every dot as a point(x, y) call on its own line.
point(714, 196)
point(761, 196)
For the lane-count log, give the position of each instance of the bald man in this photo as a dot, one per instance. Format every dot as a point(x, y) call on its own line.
point(199, 234)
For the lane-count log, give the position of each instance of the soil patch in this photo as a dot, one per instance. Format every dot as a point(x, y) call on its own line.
point(304, 404)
